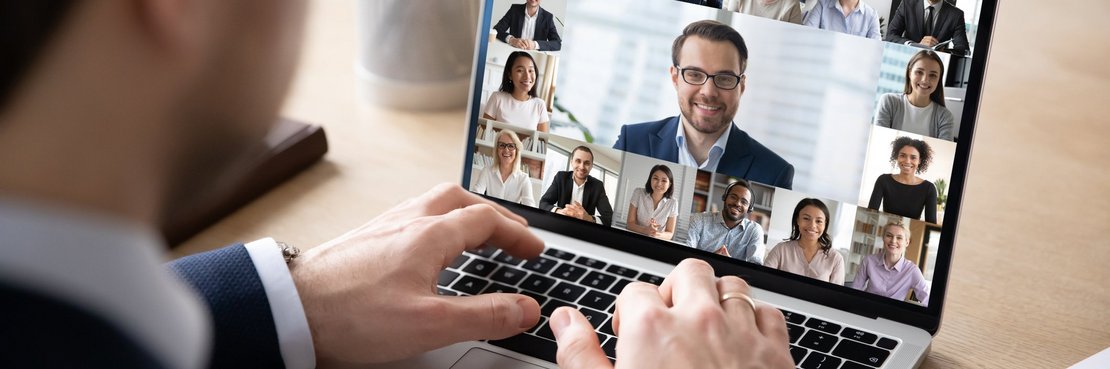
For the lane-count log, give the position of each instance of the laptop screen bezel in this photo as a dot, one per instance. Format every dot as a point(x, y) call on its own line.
point(838, 297)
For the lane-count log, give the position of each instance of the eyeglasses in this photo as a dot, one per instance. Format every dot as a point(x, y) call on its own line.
point(507, 146)
point(724, 81)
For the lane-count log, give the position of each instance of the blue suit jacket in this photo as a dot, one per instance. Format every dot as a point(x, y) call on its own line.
point(44, 332)
point(546, 35)
point(744, 157)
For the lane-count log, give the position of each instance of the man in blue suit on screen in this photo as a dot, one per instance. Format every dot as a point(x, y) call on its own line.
point(709, 60)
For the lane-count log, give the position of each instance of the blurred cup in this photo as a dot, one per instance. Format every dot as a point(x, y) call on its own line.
point(416, 54)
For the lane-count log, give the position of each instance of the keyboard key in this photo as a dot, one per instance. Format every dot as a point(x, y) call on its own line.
point(856, 351)
point(499, 288)
point(537, 283)
point(529, 345)
point(619, 286)
point(446, 277)
point(610, 347)
point(444, 292)
point(560, 254)
point(539, 325)
point(887, 343)
point(480, 267)
point(858, 335)
point(504, 257)
point(540, 265)
point(597, 300)
point(568, 272)
point(823, 326)
point(596, 318)
point(540, 299)
point(792, 317)
point(508, 275)
point(651, 278)
point(544, 331)
point(469, 285)
point(590, 263)
point(567, 292)
point(815, 340)
point(622, 271)
point(550, 307)
point(795, 332)
point(598, 280)
point(458, 262)
point(798, 354)
point(818, 360)
point(853, 365)
point(484, 252)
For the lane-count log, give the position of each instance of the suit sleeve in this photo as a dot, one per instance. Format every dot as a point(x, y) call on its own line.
point(959, 38)
point(898, 26)
point(503, 25)
point(245, 334)
point(786, 178)
point(553, 41)
point(620, 144)
point(604, 209)
point(551, 197)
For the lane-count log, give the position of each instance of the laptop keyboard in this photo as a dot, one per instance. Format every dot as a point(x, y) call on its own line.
point(560, 278)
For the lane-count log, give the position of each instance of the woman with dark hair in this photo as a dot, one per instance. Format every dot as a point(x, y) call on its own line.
point(920, 107)
point(808, 251)
point(905, 193)
point(653, 210)
point(516, 102)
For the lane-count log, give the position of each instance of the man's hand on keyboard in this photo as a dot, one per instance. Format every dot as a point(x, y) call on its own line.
point(682, 324)
point(369, 295)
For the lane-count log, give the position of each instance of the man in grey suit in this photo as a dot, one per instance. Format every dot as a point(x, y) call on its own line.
point(928, 23)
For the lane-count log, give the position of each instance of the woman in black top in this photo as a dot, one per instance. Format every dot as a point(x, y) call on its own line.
point(904, 193)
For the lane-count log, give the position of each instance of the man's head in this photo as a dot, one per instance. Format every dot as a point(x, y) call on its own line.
point(581, 162)
point(709, 103)
point(163, 96)
point(737, 201)
point(532, 3)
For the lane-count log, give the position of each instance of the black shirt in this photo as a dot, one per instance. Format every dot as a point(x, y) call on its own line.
point(903, 199)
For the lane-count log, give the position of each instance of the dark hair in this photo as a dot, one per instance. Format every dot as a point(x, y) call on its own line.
point(795, 234)
point(713, 31)
point(923, 150)
point(739, 182)
point(938, 94)
point(507, 82)
point(583, 148)
point(670, 177)
point(26, 27)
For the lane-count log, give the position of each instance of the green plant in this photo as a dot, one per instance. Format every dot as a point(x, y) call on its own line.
point(942, 193)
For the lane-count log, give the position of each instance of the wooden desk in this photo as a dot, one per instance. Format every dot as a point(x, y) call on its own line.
point(1028, 288)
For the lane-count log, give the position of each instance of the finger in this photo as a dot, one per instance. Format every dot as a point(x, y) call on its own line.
point(578, 346)
point(738, 310)
point(476, 226)
point(692, 282)
point(486, 316)
point(771, 322)
point(446, 197)
point(635, 297)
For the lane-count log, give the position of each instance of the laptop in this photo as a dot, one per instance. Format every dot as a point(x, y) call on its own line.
point(811, 120)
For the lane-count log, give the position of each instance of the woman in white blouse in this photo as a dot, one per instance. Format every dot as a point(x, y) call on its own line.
point(504, 179)
point(652, 211)
point(515, 102)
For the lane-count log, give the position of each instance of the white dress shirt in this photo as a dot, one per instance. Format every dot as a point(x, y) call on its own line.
point(715, 152)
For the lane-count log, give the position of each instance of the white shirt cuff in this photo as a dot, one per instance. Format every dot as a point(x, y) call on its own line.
point(294, 337)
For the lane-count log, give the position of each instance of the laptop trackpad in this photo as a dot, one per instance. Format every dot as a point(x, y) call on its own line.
point(477, 358)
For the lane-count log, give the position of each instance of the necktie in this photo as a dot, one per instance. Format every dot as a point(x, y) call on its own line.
point(929, 21)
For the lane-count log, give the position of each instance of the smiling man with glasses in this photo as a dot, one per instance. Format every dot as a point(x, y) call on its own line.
point(708, 63)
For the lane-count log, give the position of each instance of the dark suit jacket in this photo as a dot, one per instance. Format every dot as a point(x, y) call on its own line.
point(744, 157)
point(43, 331)
point(593, 196)
point(709, 3)
point(908, 24)
point(512, 23)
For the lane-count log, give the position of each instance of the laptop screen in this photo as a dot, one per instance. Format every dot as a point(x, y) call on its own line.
point(818, 140)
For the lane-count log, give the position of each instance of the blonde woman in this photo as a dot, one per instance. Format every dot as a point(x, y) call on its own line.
point(888, 273)
point(504, 179)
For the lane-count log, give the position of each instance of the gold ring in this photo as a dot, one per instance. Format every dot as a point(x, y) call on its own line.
point(738, 295)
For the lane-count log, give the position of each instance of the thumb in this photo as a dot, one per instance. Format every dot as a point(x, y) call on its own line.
point(486, 316)
point(578, 346)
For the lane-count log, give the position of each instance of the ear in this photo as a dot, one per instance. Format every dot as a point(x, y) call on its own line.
point(674, 76)
point(173, 27)
point(743, 83)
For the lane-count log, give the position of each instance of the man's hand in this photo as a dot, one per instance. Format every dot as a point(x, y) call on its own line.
point(681, 324)
point(929, 41)
point(723, 251)
point(369, 295)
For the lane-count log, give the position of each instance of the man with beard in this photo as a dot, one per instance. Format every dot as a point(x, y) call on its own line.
point(730, 233)
point(709, 60)
point(575, 194)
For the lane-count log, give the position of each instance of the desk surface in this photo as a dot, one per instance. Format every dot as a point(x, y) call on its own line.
point(1028, 286)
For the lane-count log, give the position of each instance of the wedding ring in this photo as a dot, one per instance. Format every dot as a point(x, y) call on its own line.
point(738, 295)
